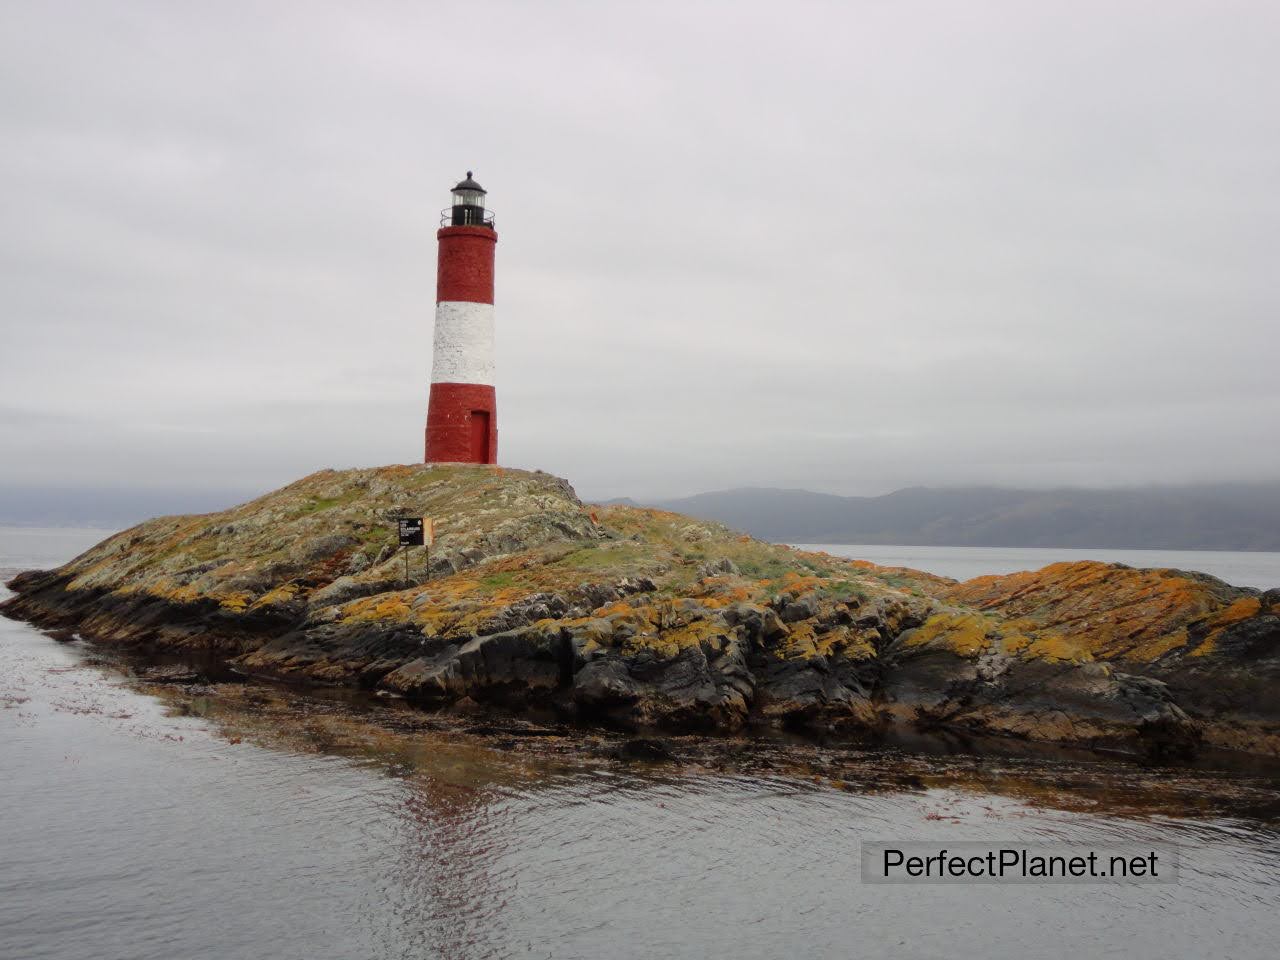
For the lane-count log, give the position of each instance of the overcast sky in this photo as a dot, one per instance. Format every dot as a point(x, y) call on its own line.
point(849, 247)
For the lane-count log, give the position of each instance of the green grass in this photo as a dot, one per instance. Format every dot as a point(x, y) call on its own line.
point(374, 534)
point(606, 557)
point(895, 580)
point(817, 569)
point(843, 590)
point(316, 504)
point(769, 569)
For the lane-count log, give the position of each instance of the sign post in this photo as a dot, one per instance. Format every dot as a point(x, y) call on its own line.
point(411, 535)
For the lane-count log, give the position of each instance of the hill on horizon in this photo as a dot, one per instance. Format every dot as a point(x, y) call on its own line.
point(1207, 517)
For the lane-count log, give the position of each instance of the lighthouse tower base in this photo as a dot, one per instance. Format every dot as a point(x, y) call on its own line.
point(462, 424)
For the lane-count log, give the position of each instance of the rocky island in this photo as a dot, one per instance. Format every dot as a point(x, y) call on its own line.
point(534, 601)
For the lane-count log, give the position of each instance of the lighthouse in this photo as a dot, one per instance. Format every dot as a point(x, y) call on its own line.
point(462, 413)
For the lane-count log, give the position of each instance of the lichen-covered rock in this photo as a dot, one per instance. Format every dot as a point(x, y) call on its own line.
point(647, 618)
point(516, 667)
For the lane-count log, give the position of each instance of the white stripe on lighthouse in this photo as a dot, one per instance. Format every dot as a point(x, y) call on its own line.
point(463, 343)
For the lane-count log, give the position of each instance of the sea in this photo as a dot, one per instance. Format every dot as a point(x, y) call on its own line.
point(1239, 568)
point(131, 830)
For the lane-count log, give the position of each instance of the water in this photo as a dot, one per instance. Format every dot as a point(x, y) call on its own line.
point(1242, 568)
point(37, 548)
point(128, 832)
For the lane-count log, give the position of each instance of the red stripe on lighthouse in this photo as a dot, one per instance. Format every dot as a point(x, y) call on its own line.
point(462, 424)
point(465, 268)
point(462, 412)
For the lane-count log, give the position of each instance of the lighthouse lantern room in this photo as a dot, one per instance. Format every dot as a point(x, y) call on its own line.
point(468, 205)
point(462, 414)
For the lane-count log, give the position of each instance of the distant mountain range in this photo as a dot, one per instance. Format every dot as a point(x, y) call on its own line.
point(1164, 518)
point(1211, 517)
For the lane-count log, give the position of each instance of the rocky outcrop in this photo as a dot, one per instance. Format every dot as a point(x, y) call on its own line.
point(1181, 644)
point(642, 618)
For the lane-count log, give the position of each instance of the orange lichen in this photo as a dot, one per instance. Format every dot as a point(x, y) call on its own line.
point(1242, 609)
point(1152, 648)
point(1206, 647)
point(617, 607)
point(1107, 611)
point(965, 634)
point(281, 594)
point(384, 606)
point(692, 633)
point(1057, 647)
point(799, 641)
point(235, 602)
point(175, 593)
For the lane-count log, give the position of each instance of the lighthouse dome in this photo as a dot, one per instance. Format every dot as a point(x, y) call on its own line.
point(469, 185)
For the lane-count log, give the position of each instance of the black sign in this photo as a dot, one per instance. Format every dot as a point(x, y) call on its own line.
point(410, 531)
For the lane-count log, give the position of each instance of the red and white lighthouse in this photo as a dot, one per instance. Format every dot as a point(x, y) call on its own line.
point(462, 413)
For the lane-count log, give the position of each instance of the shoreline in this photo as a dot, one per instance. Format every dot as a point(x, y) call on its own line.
point(211, 658)
point(642, 620)
point(297, 716)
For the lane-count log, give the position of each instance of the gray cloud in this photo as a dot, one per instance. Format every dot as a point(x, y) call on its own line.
point(848, 246)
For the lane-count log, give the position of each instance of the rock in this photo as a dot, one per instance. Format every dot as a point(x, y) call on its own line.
point(596, 595)
point(603, 684)
point(532, 601)
point(530, 609)
point(644, 749)
point(171, 673)
point(760, 624)
point(809, 694)
point(506, 667)
point(1162, 726)
point(631, 585)
point(320, 548)
point(718, 568)
point(1256, 638)
point(589, 639)
point(442, 566)
point(346, 589)
point(703, 686)
point(799, 608)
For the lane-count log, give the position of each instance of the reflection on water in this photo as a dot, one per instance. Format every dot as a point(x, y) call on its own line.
point(245, 822)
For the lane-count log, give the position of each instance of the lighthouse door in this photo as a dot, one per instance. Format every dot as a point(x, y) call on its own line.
point(479, 436)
